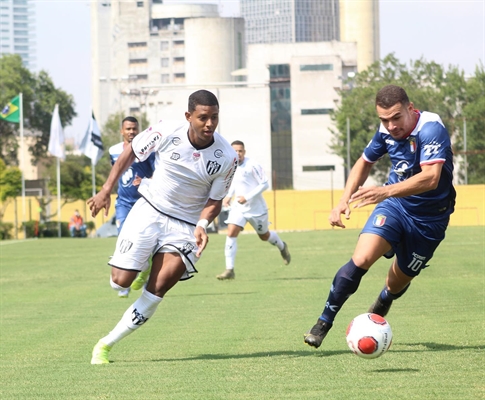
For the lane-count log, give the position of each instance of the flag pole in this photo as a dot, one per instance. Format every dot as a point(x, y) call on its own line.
point(22, 160)
point(59, 196)
point(93, 177)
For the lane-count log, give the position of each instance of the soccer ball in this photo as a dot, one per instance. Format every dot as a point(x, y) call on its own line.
point(369, 335)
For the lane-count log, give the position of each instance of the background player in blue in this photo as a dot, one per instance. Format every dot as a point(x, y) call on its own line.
point(413, 208)
point(129, 181)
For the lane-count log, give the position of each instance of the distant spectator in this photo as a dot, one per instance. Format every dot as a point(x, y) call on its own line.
point(77, 226)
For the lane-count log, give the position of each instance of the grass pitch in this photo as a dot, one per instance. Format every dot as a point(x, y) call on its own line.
point(240, 339)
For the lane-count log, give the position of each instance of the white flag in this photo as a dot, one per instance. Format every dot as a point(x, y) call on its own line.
point(56, 139)
point(92, 145)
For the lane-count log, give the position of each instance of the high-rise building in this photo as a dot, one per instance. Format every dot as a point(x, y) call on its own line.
point(359, 22)
point(144, 43)
point(17, 30)
point(291, 21)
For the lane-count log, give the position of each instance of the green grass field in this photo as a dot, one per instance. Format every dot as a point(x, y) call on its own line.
point(240, 339)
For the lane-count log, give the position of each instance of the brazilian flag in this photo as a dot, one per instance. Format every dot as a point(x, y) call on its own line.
point(11, 112)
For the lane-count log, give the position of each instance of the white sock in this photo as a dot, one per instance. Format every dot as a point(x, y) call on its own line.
point(230, 251)
point(134, 317)
point(275, 240)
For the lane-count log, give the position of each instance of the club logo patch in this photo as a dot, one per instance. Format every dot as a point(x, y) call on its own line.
point(176, 141)
point(218, 153)
point(125, 246)
point(380, 220)
point(213, 167)
point(175, 156)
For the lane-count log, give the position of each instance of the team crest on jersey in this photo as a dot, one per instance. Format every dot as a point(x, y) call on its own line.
point(412, 145)
point(213, 167)
point(175, 156)
point(218, 153)
point(125, 246)
point(380, 220)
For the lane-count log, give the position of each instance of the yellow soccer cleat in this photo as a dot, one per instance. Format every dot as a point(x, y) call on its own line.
point(100, 353)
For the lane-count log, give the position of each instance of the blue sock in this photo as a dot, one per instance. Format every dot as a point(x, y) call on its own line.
point(345, 283)
point(387, 296)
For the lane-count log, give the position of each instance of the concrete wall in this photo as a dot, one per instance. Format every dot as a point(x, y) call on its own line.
point(289, 210)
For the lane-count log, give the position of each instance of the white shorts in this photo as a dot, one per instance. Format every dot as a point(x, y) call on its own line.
point(146, 232)
point(259, 223)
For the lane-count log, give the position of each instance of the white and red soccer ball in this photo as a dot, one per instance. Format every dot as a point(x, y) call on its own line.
point(369, 335)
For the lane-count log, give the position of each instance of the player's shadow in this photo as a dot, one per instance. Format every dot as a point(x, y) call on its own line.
point(431, 346)
point(265, 354)
point(211, 294)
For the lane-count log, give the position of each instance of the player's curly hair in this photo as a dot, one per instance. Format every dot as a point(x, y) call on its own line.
point(202, 98)
point(390, 95)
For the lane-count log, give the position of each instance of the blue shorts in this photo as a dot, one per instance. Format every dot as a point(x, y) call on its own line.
point(413, 240)
point(121, 214)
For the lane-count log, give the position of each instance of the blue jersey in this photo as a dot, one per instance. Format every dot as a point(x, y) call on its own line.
point(127, 192)
point(428, 143)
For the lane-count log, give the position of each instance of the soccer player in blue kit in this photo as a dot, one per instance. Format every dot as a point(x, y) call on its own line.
point(129, 182)
point(413, 208)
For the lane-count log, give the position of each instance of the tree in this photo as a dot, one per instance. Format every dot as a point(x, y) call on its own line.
point(10, 185)
point(39, 98)
point(429, 87)
point(474, 112)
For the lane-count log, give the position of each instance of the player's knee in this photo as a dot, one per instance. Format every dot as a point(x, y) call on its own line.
point(116, 286)
point(264, 236)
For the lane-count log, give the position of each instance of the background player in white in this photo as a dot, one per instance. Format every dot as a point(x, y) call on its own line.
point(249, 205)
point(413, 208)
point(128, 185)
point(194, 167)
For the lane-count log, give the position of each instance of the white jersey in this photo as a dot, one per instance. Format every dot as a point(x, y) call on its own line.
point(249, 181)
point(185, 177)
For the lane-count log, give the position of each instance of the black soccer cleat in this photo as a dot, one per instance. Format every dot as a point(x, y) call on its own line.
point(380, 307)
point(315, 336)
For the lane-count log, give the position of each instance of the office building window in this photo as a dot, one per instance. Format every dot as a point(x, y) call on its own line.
point(137, 44)
point(316, 67)
point(165, 62)
point(164, 45)
point(165, 78)
point(281, 134)
point(314, 111)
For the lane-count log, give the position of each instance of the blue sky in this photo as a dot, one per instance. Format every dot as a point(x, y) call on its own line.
point(447, 32)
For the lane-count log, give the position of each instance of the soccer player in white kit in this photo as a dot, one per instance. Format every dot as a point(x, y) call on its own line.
point(249, 205)
point(194, 168)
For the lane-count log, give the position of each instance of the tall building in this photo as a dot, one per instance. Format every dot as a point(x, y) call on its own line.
point(17, 35)
point(291, 21)
point(146, 43)
point(359, 22)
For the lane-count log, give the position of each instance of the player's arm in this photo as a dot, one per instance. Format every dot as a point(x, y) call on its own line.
point(262, 184)
point(103, 198)
point(211, 210)
point(426, 180)
point(358, 175)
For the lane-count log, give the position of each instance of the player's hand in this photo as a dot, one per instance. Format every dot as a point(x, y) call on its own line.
point(136, 180)
point(201, 239)
point(335, 217)
point(226, 202)
point(368, 195)
point(99, 201)
point(241, 200)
